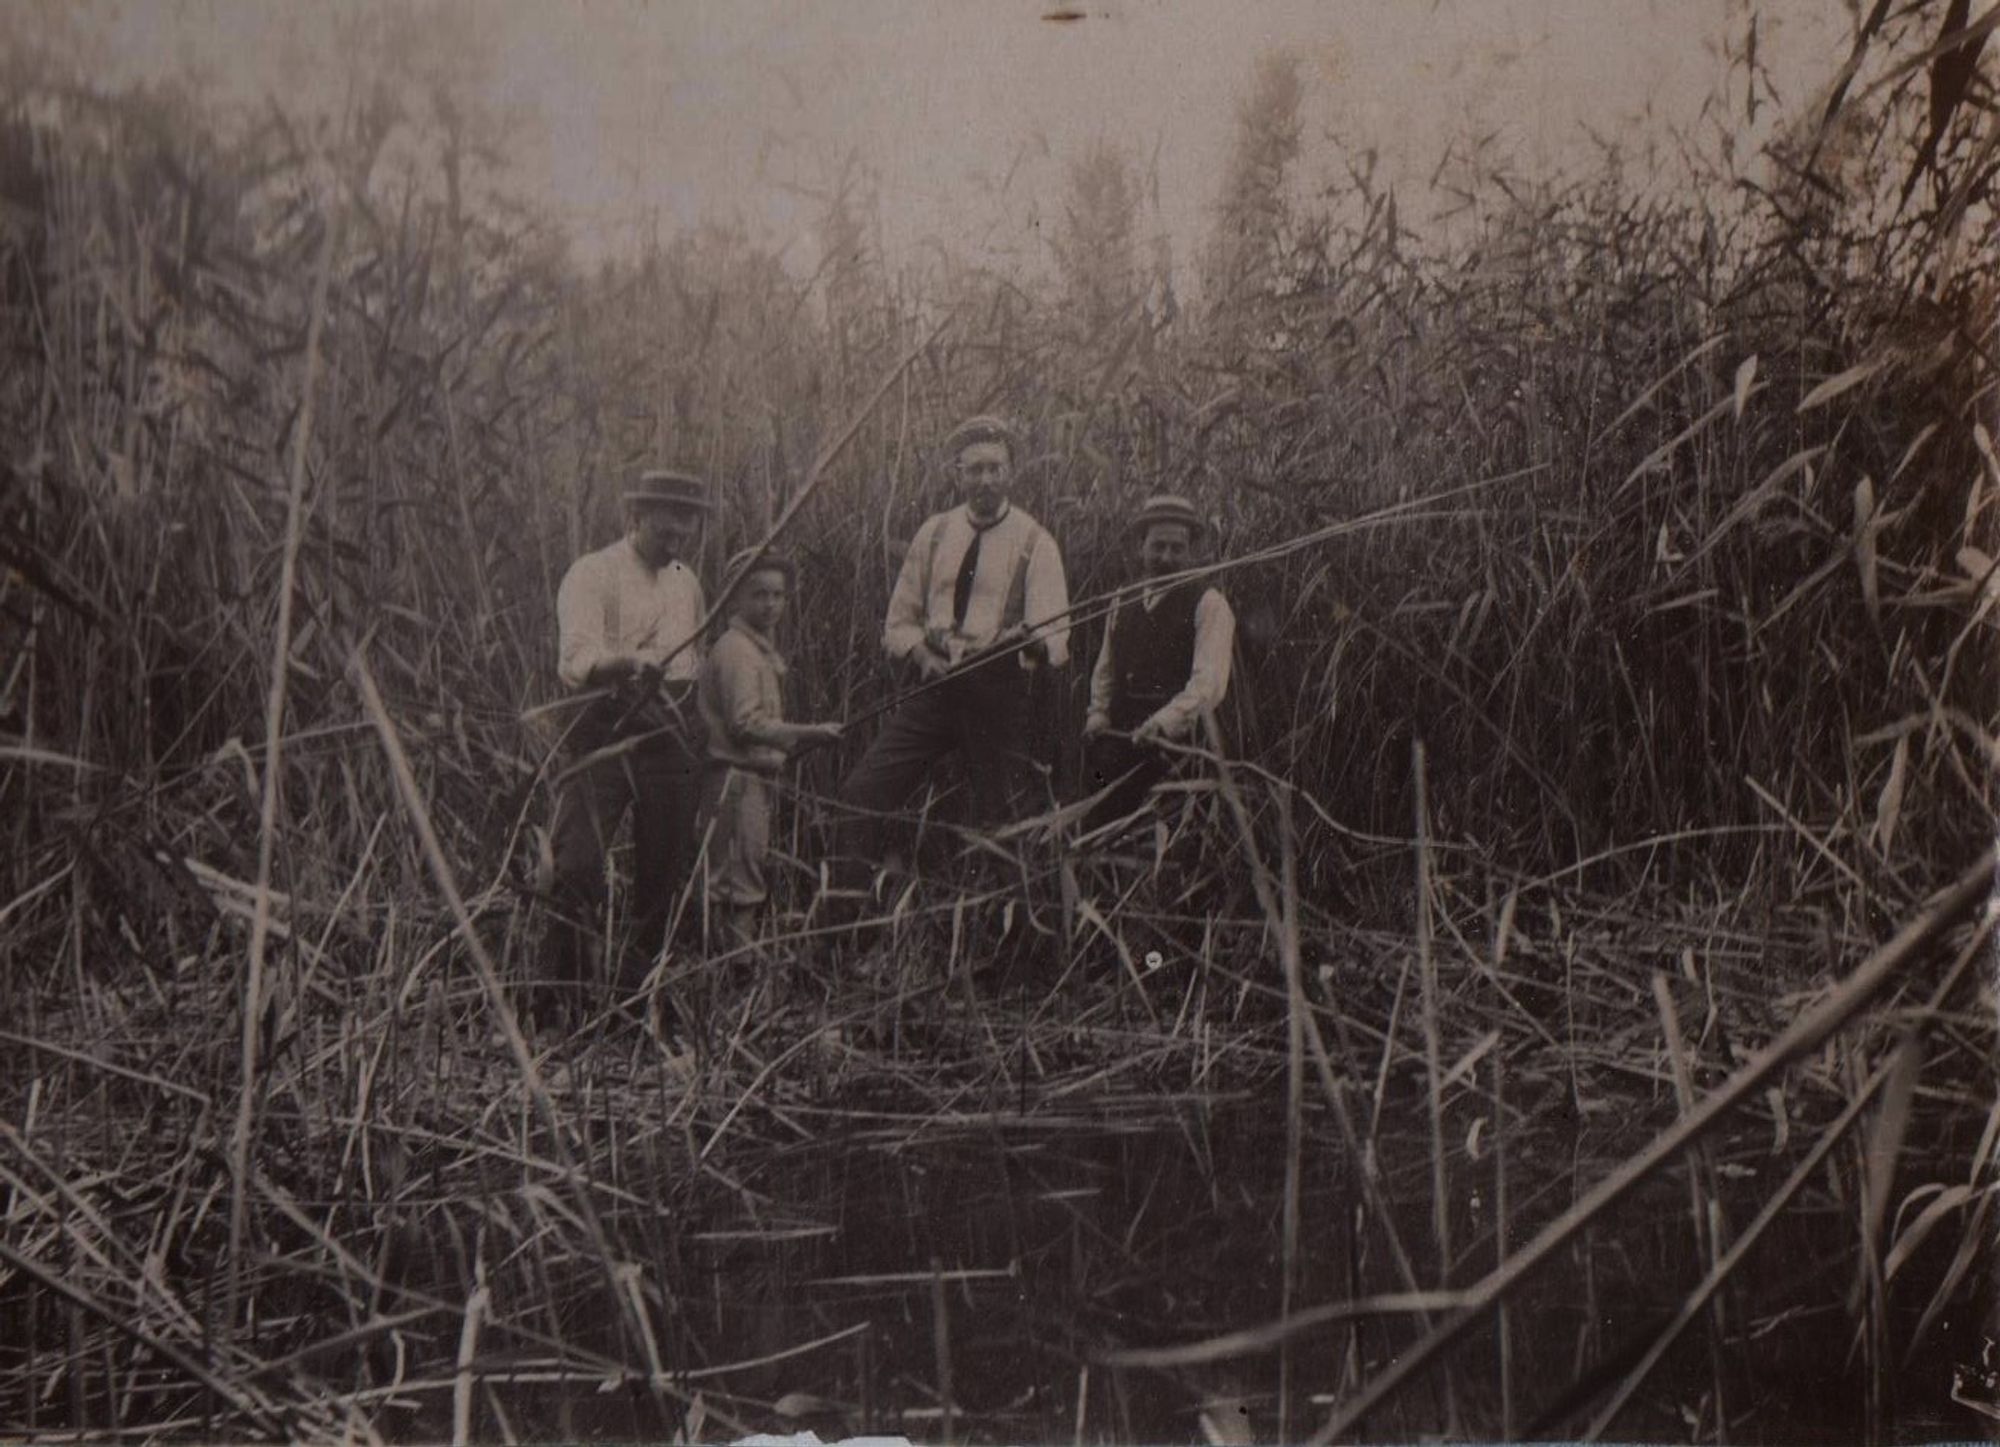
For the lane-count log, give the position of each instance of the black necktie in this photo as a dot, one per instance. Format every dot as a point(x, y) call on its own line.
point(961, 590)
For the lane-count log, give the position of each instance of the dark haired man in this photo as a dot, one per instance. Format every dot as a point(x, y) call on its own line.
point(1163, 664)
point(978, 579)
point(627, 616)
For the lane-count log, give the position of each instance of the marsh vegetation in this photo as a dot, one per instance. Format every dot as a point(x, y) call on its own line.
point(1566, 1007)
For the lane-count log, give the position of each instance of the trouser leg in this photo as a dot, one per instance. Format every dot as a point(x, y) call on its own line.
point(589, 807)
point(736, 823)
point(992, 718)
point(736, 807)
point(913, 738)
point(1128, 769)
point(666, 783)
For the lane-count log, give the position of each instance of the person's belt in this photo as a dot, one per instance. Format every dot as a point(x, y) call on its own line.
point(759, 768)
point(613, 719)
point(1142, 700)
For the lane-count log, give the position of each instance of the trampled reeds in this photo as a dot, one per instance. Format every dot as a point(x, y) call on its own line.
point(1565, 980)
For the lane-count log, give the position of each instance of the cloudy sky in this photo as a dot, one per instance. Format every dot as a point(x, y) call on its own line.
point(961, 117)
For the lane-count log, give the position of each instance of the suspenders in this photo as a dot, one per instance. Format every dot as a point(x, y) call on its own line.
point(1014, 606)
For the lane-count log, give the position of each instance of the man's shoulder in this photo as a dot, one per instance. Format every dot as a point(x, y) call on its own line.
point(678, 574)
point(925, 538)
point(1031, 526)
point(598, 558)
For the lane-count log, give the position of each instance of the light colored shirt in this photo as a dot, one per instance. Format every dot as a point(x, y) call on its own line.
point(741, 695)
point(1019, 579)
point(612, 604)
point(1208, 676)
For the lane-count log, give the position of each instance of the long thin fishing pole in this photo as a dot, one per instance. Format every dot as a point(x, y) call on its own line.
point(1100, 605)
point(814, 476)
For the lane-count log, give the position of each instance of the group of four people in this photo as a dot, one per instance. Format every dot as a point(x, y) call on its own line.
point(690, 741)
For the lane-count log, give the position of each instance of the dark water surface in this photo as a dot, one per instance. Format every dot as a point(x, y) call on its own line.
point(981, 1264)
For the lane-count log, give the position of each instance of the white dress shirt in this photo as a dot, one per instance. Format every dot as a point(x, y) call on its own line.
point(612, 603)
point(1208, 677)
point(1019, 580)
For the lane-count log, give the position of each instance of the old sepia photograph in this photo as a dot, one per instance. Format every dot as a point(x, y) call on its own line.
point(1047, 721)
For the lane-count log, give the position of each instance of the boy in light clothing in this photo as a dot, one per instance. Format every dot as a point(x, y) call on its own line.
point(740, 694)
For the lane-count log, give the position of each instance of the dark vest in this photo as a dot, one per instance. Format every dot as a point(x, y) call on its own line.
point(1151, 654)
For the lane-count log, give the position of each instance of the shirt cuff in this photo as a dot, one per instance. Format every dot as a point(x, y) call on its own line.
point(577, 668)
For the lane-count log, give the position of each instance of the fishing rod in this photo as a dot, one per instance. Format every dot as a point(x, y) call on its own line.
point(642, 689)
point(1087, 610)
point(1101, 605)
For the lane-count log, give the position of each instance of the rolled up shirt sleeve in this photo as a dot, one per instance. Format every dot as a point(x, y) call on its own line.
point(1208, 677)
point(903, 630)
point(1047, 600)
point(580, 622)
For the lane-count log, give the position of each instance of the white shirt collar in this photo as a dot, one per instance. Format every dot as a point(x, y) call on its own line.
point(638, 560)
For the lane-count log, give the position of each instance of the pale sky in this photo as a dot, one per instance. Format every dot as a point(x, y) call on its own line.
point(963, 116)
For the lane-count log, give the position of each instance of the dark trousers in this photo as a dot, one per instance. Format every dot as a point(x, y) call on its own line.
point(983, 716)
point(1129, 769)
point(659, 783)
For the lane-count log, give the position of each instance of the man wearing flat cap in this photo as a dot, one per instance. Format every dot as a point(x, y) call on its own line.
point(627, 615)
point(977, 608)
point(1163, 664)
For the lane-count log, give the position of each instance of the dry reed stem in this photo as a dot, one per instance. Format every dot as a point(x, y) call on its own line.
point(1428, 981)
point(267, 824)
point(1722, 1267)
point(1826, 1016)
point(267, 1415)
point(1295, 1086)
point(497, 1003)
point(1705, 623)
point(1703, 1196)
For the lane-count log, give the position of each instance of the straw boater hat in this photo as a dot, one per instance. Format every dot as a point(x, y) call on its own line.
point(663, 488)
point(752, 560)
point(981, 429)
point(1168, 507)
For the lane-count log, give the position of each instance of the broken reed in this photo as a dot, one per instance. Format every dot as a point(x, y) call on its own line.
point(1717, 635)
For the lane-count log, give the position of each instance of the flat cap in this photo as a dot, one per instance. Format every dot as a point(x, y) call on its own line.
point(661, 487)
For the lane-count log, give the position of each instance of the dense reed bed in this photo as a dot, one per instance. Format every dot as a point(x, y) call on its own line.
point(1564, 1004)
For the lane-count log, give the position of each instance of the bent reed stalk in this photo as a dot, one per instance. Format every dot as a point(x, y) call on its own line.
point(1666, 524)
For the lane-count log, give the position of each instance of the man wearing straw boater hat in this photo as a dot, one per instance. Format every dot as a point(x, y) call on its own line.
point(1164, 663)
point(627, 615)
point(977, 608)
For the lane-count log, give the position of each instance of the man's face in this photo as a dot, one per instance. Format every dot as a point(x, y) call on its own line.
point(760, 599)
point(663, 533)
point(1165, 548)
point(985, 475)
